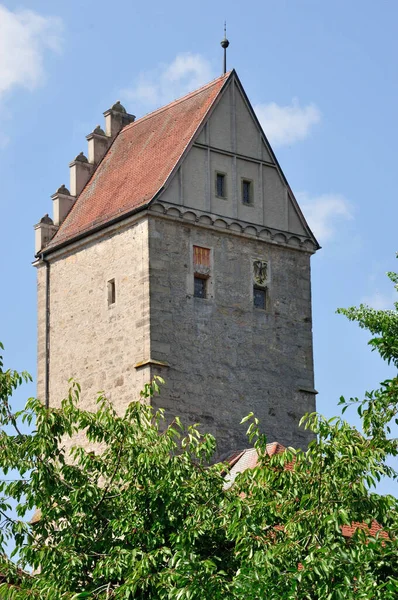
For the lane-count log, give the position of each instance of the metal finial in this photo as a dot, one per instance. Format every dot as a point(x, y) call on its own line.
point(225, 44)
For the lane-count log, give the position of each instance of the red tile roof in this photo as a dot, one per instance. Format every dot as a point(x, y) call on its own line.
point(139, 162)
point(372, 531)
point(248, 459)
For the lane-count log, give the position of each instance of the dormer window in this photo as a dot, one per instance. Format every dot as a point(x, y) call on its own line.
point(221, 185)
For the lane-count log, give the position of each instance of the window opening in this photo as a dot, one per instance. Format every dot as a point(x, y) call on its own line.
point(220, 185)
point(247, 194)
point(201, 257)
point(259, 298)
point(201, 271)
point(111, 292)
point(199, 287)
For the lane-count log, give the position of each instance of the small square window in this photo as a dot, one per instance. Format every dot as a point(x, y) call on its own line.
point(247, 191)
point(259, 298)
point(111, 292)
point(221, 189)
point(199, 287)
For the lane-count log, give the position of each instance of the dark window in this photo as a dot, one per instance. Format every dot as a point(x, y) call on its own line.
point(247, 193)
point(199, 287)
point(259, 298)
point(220, 185)
point(111, 292)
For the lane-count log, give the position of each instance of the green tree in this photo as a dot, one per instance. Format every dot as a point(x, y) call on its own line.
point(144, 516)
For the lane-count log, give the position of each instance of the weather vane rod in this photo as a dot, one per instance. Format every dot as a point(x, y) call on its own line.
point(225, 44)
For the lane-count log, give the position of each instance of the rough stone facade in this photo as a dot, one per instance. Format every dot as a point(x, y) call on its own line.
point(221, 356)
point(225, 357)
point(94, 343)
point(228, 358)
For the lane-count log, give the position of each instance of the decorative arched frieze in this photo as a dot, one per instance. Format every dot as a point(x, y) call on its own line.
point(280, 238)
point(251, 230)
point(220, 223)
point(309, 245)
point(158, 207)
point(294, 241)
point(265, 234)
point(173, 212)
point(205, 220)
point(189, 216)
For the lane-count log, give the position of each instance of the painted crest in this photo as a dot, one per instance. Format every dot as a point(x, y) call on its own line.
point(260, 272)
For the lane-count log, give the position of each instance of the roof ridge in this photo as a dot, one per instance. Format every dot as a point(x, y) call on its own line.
point(177, 101)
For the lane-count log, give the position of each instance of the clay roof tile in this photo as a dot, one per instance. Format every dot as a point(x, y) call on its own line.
point(138, 163)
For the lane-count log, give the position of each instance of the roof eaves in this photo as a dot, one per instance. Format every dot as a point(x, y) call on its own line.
point(91, 231)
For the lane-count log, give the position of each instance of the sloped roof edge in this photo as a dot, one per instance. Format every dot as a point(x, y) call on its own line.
point(93, 226)
point(292, 196)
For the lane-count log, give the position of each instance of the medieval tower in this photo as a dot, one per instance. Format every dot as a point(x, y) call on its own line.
point(180, 250)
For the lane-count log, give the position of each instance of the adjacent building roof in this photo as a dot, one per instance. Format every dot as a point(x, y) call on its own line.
point(139, 162)
point(248, 459)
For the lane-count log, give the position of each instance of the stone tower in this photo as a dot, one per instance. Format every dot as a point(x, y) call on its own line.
point(180, 250)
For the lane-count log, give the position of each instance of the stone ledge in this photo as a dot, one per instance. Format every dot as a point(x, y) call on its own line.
point(151, 362)
point(309, 390)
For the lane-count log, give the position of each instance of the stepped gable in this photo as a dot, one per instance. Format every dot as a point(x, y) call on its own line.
point(139, 163)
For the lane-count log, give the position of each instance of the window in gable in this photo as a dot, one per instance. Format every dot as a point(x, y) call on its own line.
point(221, 185)
point(247, 191)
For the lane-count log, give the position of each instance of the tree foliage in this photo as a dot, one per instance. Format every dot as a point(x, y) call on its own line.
point(137, 512)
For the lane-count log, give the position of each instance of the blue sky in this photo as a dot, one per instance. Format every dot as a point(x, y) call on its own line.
point(323, 80)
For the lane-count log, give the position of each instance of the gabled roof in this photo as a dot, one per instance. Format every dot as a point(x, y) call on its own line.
point(139, 163)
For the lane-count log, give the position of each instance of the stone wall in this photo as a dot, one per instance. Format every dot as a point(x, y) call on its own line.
point(226, 357)
point(97, 344)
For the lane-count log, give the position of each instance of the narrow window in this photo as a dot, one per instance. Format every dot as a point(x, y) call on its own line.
point(220, 185)
point(199, 287)
point(201, 271)
point(247, 191)
point(259, 297)
point(111, 292)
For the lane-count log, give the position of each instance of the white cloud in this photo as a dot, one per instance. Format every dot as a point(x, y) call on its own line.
point(285, 125)
point(324, 213)
point(169, 81)
point(24, 37)
point(380, 300)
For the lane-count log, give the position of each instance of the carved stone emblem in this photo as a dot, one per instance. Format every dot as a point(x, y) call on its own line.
point(260, 272)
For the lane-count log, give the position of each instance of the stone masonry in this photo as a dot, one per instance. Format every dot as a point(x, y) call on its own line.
point(119, 259)
point(228, 358)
